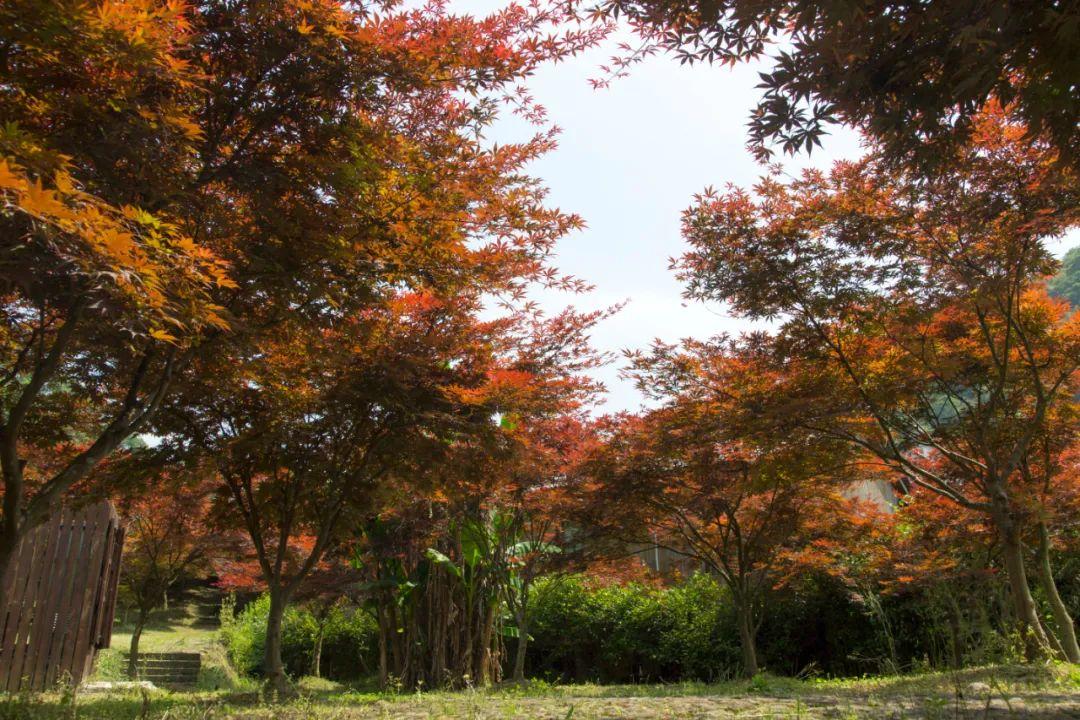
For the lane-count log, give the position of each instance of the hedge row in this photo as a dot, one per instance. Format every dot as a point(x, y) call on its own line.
point(638, 633)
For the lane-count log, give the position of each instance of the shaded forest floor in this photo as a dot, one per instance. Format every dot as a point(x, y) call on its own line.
point(1038, 693)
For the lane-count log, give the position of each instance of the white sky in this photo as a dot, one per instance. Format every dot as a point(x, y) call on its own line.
point(629, 160)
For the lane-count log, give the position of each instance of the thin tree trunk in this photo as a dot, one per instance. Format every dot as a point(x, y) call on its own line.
point(522, 646)
point(487, 672)
point(276, 680)
point(956, 629)
point(1066, 631)
point(316, 660)
point(7, 552)
point(384, 671)
point(11, 529)
point(1035, 640)
point(397, 653)
point(467, 650)
point(439, 639)
point(747, 641)
point(136, 635)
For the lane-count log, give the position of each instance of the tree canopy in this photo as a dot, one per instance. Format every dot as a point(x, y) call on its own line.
point(912, 75)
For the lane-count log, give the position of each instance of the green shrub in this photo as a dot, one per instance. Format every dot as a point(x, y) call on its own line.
point(244, 634)
point(635, 633)
point(349, 640)
point(632, 633)
point(703, 641)
point(110, 665)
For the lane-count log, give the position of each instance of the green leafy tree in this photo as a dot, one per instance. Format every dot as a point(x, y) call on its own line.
point(1066, 284)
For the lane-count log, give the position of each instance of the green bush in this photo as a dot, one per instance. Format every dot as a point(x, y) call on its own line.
point(350, 640)
point(632, 633)
point(635, 633)
point(639, 633)
point(110, 665)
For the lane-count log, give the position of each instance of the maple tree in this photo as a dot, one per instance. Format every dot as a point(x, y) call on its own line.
point(102, 288)
point(945, 555)
point(539, 511)
point(1048, 472)
point(342, 165)
point(169, 536)
point(488, 519)
point(913, 314)
point(182, 180)
point(302, 430)
point(330, 583)
point(911, 75)
point(700, 476)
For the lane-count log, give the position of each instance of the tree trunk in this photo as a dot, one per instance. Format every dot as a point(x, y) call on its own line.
point(956, 630)
point(277, 683)
point(9, 540)
point(467, 650)
point(316, 659)
point(136, 635)
point(394, 637)
point(747, 641)
point(487, 670)
point(522, 646)
point(1062, 619)
point(1036, 643)
point(384, 671)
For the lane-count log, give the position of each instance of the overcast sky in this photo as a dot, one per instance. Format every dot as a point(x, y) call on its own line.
point(629, 160)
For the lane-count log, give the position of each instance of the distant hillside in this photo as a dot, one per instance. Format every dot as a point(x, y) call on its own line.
point(1066, 284)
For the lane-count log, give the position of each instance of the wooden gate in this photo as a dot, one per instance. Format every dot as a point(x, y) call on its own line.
point(61, 598)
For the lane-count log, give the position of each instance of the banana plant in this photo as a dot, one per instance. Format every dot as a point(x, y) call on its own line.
point(476, 544)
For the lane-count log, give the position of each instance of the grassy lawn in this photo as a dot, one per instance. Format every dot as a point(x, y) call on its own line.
point(176, 630)
point(1039, 693)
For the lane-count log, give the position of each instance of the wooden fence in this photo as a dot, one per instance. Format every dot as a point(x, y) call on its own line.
point(61, 597)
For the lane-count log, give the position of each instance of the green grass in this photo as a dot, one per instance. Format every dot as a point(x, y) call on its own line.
point(175, 630)
point(177, 639)
point(1035, 692)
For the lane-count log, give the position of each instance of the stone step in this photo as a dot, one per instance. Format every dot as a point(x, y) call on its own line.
point(162, 666)
point(168, 676)
point(169, 668)
point(169, 656)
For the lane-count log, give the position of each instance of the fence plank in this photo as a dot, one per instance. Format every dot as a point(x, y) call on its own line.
point(14, 585)
point(104, 631)
point(49, 538)
point(83, 587)
point(44, 632)
point(61, 598)
point(104, 606)
point(22, 579)
point(99, 557)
